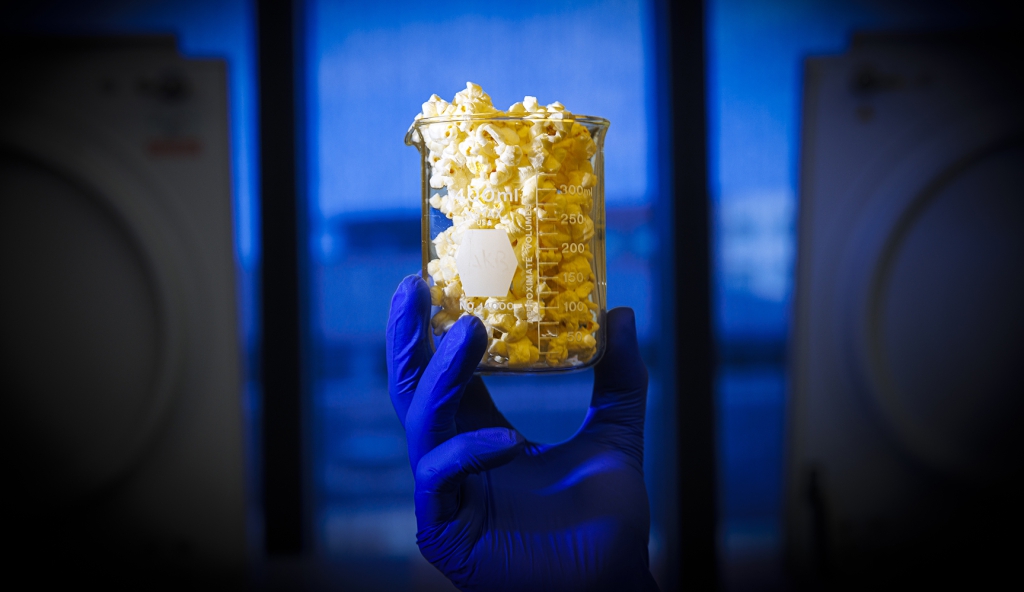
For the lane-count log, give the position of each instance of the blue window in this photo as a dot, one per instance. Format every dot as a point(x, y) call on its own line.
point(369, 69)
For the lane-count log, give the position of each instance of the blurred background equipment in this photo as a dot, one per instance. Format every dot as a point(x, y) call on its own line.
point(120, 411)
point(905, 457)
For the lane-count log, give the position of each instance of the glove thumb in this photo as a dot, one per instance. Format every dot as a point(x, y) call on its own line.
point(441, 471)
point(619, 401)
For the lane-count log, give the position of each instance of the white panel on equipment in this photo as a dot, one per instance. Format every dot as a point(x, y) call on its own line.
point(121, 407)
point(906, 391)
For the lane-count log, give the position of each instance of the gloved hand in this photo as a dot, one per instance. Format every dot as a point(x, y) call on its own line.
point(496, 512)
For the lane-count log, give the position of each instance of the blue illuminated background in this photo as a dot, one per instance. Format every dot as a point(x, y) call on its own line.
point(370, 68)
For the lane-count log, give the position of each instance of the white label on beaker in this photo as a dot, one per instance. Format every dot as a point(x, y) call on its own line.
point(486, 263)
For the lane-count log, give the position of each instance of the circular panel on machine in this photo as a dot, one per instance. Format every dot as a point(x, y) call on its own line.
point(945, 317)
point(84, 336)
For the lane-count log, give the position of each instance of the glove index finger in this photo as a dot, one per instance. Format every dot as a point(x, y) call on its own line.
point(408, 349)
point(431, 417)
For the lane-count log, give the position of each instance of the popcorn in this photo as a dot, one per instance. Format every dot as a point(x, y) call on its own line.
point(531, 176)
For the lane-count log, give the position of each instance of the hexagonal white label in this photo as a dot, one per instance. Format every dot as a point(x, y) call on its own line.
point(486, 262)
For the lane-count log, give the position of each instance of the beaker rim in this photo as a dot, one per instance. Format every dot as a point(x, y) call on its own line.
point(477, 117)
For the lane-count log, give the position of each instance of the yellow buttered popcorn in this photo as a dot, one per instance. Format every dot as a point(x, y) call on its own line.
point(523, 199)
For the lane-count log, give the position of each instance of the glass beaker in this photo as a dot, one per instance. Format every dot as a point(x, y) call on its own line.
point(514, 233)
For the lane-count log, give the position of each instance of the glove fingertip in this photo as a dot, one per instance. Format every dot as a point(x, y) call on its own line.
point(411, 282)
point(622, 325)
point(623, 355)
point(412, 287)
point(410, 303)
point(476, 327)
point(515, 438)
point(468, 331)
point(502, 437)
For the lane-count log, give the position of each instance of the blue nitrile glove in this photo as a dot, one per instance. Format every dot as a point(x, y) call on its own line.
point(495, 512)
